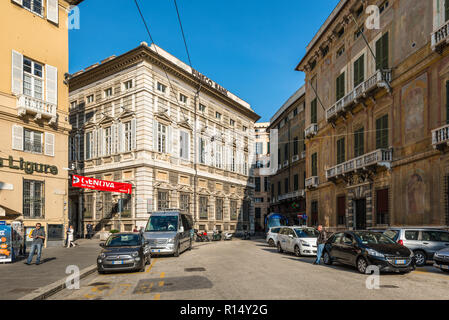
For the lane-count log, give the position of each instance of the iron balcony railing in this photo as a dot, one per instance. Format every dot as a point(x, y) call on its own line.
point(360, 91)
point(440, 136)
point(381, 157)
point(440, 36)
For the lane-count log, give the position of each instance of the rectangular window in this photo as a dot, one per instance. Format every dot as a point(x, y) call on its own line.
point(34, 6)
point(203, 207)
point(286, 152)
point(128, 84)
point(295, 146)
point(286, 185)
point(162, 200)
point(32, 78)
point(88, 205)
point(359, 143)
point(382, 206)
point(202, 108)
point(259, 148)
point(314, 210)
point(202, 151)
point(233, 208)
point(232, 122)
point(184, 142)
point(244, 129)
point(314, 164)
point(279, 156)
point(341, 32)
point(359, 70)
point(108, 141)
point(90, 98)
point(382, 52)
point(160, 87)
point(382, 132)
point(32, 141)
point(182, 98)
point(340, 51)
point(340, 150)
point(108, 92)
point(313, 111)
point(383, 6)
point(184, 203)
point(218, 115)
point(340, 86)
point(295, 112)
point(359, 33)
point(296, 182)
point(279, 188)
point(33, 199)
point(89, 145)
point(128, 136)
point(219, 209)
point(219, 155)
point(341, 210)
point(265, 184)
point(257, 183)
point(161, 138)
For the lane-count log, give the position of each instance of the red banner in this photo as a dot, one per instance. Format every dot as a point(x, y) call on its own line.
point(101, 185)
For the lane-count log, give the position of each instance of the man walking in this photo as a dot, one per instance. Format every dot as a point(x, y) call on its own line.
point(38, 236)
point(321, 241)
point(89, 231)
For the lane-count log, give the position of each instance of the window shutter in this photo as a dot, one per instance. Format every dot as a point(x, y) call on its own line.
point(53, 11)
point(134, 134)
point(313, 111)
point(51, 84)
point(378, 133)
point(17, 138)
point(155, 140)
point(113, 138)
point(385, 51)
point(49, 144)
point(100, 146)
point(385, 132)
point(121, 138)
point(169, 140)
point(17, 73)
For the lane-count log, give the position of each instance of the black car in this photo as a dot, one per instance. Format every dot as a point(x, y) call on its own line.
point(124, 251)
point(364, 248)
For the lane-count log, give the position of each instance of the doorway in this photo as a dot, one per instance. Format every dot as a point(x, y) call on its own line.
point(360, 214)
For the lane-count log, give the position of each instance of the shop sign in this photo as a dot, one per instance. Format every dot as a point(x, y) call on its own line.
point(27, 166)
point(101, 185)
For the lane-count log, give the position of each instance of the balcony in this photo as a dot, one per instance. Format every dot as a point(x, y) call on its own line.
point(312, 182)
point(311, 130)
point(440, 137)
point(381, 78)
point(303, 155)
point(440, 37)
point(295, 158)
point(380, 157)
point(285, 164)
point(39, 108)
point(292, 195)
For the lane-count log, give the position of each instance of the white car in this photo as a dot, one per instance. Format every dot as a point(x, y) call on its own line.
point(272, 236)
point(299, 240)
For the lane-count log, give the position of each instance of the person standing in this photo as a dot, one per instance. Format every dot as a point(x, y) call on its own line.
point(321, 241)
point(89, 231)
point(70, 233)
point(38, 236)
point(135, 229)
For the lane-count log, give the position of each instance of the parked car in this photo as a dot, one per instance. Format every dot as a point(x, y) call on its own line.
point(124, 251)
point(441, 260)
point(299, 240)
point(424, 242)
point(364, 248)
point(169, 232)
point(272, 236)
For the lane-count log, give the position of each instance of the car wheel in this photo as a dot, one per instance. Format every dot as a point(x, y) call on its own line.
point(176, 254)
point(143, 267)
point(362, 264)
point(297, 251)
point(280, 248)
point(327, 258)
point(444, 270)
point(420, 258)
point(271, 243)
point(100, 271)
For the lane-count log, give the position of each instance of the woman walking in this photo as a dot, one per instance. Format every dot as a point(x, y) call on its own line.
point(70, 233)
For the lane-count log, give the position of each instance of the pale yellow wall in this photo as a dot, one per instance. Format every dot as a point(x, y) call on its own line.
point(36, 38)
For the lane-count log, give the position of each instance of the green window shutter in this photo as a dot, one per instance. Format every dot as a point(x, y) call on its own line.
point(359, 143)
point(378, 133)
point(382, 132)
point(359, 71)
point(385, 131)
point(340, 93)
point(341, 150)
point(385, 51)
point(313, 111)
point(379, 54)
point(447, 102)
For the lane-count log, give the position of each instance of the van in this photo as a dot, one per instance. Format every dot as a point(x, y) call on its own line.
point(169, 232)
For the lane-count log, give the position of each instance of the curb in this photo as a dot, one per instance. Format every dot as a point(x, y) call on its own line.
point(51, 289)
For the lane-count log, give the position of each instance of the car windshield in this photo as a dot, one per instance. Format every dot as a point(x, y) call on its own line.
point(391, 234)
point(373, 238)
point(162, 223)
point(307, 233)
point(123, 240)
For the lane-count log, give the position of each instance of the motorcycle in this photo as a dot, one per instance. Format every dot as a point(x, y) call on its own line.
point(246, 235)
point(202, 237)
point(216, 236)
point(227, 236)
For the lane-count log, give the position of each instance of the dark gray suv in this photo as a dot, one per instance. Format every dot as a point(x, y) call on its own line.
point(424, 242)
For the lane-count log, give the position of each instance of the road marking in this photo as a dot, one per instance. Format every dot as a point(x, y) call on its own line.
point(161, 283)
point(127, 285)
point(162, 274)
point(151, 265)
point(157, 297)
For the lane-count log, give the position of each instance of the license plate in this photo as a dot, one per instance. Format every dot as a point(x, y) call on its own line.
point(442, 266)
point(153, 250)
point(399, 262)
point(117, 262)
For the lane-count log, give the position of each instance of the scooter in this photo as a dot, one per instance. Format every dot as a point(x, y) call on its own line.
point(227, 236)
point(246, 235)
point(201, 237)
point(216, 236)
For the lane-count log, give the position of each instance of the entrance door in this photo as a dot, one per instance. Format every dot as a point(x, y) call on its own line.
point(360, 214)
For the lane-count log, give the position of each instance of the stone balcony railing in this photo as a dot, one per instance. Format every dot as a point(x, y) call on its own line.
point(292, 195)
point(440, 36)
point(311, 130)
point(380, 157)
point(312, 182)
point(303, 155)
point(378, 79)
point(38, 108)
point(440, 137)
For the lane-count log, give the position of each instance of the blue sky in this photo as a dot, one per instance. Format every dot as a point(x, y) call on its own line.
point(250, 47)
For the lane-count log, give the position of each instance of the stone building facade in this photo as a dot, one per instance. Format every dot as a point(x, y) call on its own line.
point(371, 114)
point(261, 175)
point(185, 143)
point(288, 159)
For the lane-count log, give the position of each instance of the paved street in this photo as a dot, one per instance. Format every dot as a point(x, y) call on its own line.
point(252, 270)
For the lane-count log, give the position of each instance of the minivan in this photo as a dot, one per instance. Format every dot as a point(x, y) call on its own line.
point(424, 242)
point(169, 232)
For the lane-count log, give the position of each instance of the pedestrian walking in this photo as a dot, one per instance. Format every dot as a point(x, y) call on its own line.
point(135, 229)
point(70, 235)
point(89, 230)
point(321, 241)
point(38, 236)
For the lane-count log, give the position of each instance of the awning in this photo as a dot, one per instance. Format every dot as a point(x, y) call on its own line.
point(8, 213)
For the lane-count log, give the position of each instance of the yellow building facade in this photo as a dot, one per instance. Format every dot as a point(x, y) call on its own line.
point(34, 114)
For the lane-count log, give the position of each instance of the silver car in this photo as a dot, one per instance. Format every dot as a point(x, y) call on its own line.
point(441, 260)
point(272, 236)
point(302, 241)
point(424, 242)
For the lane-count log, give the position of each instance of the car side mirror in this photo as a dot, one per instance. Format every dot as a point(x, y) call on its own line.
point(102, 244)
point(291, 236)
point(147, 241)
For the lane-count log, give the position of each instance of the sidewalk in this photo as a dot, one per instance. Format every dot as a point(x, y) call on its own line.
point(18, 279)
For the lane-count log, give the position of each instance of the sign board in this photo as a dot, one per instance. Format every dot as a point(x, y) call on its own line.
point(5, 243)
point(101, 185)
